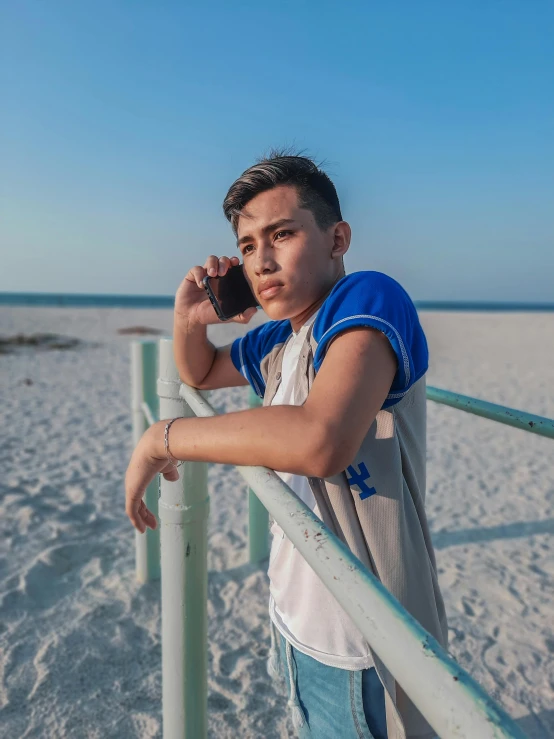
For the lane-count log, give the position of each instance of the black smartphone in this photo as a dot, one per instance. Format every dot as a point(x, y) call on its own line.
point(230, 294)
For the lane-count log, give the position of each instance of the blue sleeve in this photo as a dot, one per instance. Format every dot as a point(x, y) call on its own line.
point(376, 300)
point(248, 351)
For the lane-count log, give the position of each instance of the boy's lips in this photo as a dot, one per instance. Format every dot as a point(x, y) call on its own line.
point(269, 289)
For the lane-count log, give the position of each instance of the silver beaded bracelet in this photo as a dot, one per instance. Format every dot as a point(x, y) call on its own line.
point(170, 457)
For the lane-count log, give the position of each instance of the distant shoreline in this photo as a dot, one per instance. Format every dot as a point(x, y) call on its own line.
point(76, 300)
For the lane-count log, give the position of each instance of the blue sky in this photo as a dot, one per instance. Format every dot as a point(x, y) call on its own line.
point(124, 123)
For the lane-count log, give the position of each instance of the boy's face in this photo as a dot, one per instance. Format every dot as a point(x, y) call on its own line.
point(281, 243)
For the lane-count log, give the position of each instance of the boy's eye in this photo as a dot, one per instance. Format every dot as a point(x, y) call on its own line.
point(246, 248)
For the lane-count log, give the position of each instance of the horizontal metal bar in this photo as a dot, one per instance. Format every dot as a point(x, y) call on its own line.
point(454, 704)
point(518, 419)
point(148, 414)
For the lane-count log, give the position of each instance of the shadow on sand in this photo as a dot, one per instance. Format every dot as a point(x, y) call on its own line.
point(445, 538)
point(537, 725)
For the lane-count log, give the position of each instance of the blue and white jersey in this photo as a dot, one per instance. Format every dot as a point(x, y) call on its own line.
point(376, 505)
point(358, 299)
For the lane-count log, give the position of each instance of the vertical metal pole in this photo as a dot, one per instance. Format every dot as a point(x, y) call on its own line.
point(183, 511)
point(143, 389)
point(258, 517)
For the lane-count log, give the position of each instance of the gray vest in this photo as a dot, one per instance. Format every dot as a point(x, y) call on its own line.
point(387, 531)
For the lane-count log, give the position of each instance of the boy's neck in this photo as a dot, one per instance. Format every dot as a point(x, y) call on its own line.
point(298, 321)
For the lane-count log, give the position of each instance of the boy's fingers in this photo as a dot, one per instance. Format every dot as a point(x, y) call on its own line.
point(212, 265)
point(172, 475)
point(132, 511)
point(137, 522)
point(142, 517)
point(246, 316)
point(149, 519)
point(218, 267)
point(224, 264)
point(198, 273)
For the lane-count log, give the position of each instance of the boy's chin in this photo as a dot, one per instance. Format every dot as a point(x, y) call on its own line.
point(277, 312)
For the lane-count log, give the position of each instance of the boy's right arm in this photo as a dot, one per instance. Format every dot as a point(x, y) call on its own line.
point(199, 362)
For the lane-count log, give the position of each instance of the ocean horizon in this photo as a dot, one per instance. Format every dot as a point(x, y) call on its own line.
point(91, 300)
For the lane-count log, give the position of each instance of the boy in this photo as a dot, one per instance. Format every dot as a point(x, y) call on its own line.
point(341, 369)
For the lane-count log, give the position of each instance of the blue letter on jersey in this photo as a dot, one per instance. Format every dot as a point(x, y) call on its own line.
point(358, 478)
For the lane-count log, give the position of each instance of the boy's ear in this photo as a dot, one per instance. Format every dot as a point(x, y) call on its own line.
point(341, 238)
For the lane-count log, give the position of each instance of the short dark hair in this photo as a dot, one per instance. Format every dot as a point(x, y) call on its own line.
point(315, 190)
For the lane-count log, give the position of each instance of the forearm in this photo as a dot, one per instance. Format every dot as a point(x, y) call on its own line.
point(283, 437)
point(193, 353)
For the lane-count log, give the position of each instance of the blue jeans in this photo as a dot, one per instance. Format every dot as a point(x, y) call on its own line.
point(334, 702)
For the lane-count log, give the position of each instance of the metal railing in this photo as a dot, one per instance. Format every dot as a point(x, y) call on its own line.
point(453, 703)
point(518, 419)
point(145, 410)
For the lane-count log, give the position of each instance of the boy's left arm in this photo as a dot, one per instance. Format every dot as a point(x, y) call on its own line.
point(317, 439)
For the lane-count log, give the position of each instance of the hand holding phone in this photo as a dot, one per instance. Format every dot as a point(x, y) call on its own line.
point(192, 299)
point(230, 294)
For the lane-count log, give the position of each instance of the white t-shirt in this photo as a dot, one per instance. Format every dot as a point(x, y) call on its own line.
point(300, 605)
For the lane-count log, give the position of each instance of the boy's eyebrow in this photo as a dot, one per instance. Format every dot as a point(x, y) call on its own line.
point(266, 229)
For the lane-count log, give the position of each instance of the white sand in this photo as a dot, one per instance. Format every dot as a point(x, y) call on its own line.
point(80, 640)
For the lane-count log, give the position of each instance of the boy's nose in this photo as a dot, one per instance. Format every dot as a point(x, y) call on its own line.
point(265, 261)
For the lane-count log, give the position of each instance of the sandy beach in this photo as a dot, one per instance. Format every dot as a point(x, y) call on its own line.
point(80, 651)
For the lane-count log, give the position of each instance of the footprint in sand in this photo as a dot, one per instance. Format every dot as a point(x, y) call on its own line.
point(53, 575)
point(233, 659)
